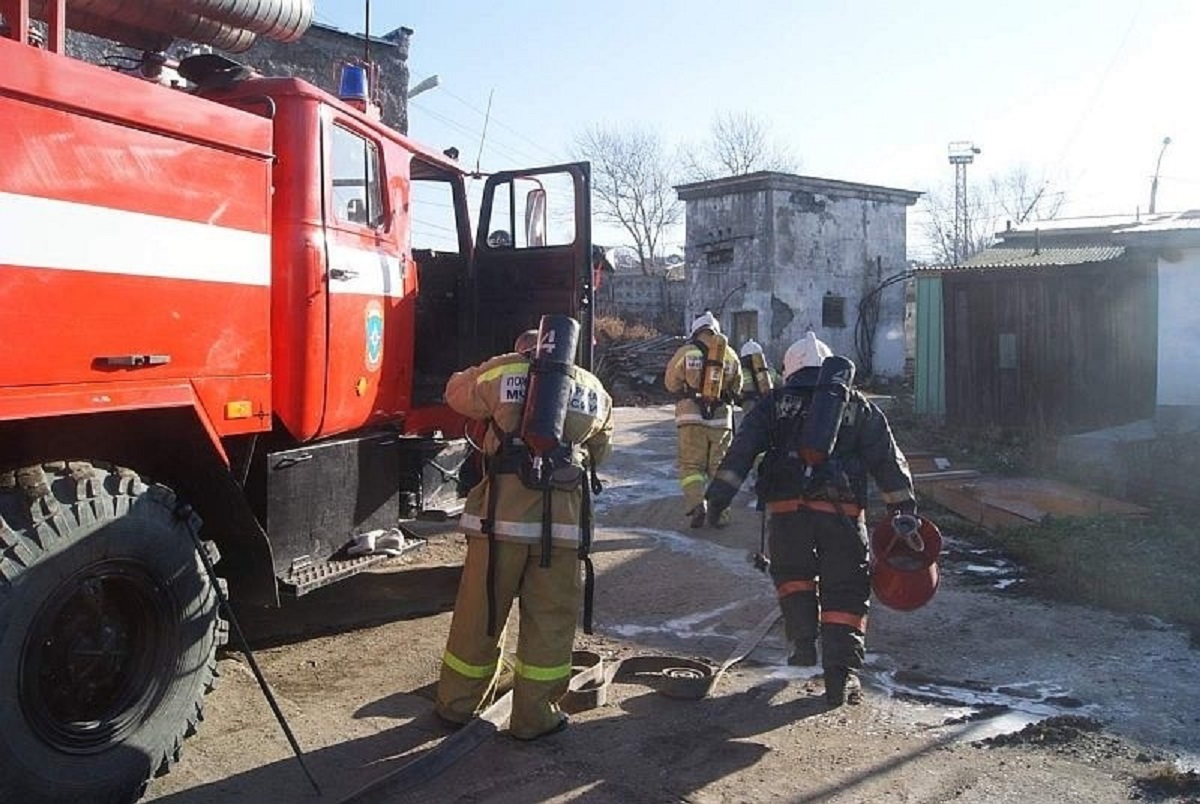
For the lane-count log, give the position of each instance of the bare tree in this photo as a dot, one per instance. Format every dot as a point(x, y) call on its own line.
point(937, 207)
point(1023, 198)
point(631, 184)
point(738, 143)
point(1014, 197)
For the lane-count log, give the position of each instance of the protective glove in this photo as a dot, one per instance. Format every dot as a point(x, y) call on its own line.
point(715, 509)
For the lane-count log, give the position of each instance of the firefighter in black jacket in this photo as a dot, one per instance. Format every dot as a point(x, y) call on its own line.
point(818, 536)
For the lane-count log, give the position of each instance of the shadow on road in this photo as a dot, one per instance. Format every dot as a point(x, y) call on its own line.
point(366, 600)
point(619, 756)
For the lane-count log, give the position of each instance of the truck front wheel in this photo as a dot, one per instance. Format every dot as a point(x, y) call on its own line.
point(109, 628)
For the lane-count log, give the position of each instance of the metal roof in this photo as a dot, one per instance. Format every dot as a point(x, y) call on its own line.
point(1045, 257)
point(1083, 225)
point(1177, 222)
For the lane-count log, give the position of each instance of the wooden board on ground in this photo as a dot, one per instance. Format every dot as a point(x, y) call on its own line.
point(1014, 501)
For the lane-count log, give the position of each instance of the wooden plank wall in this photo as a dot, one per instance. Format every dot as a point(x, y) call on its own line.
point(1080, 343)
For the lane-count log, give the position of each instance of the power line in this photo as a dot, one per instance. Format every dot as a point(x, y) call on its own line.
point(508, 151)
point(496, 121)
point(996, 207)
point(435, 225)
point(1099, 86)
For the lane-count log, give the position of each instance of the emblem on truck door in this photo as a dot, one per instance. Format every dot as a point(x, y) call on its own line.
point(374, 335)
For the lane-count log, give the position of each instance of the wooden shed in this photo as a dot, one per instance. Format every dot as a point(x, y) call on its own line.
point(1051, 330)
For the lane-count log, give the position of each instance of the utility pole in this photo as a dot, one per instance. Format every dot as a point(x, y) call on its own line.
point(1154, 184)
point(962, 153)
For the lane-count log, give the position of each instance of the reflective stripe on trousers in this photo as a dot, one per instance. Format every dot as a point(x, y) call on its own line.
point(549, 605)
point(700, 450)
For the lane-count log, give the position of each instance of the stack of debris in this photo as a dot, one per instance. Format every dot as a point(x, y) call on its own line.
point(632, 370)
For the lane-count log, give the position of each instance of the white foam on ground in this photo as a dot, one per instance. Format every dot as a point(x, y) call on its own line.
point(731, 559)
point(685, 627)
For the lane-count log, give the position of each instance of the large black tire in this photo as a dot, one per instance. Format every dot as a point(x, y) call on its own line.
point(109, 629)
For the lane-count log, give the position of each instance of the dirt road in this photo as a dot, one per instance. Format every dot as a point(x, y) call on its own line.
point(985, 695)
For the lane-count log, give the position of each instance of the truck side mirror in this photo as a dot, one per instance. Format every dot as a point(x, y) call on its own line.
point(535, 218)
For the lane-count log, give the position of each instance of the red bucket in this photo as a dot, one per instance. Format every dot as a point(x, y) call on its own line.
point(904, 570)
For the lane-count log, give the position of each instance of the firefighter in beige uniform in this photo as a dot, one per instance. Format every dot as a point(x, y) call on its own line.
point(705, 425)
point(550, 597)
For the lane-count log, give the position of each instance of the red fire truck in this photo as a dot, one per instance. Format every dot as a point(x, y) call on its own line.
point(218, 314)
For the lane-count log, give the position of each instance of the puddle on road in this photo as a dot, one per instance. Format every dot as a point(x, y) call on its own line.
point(965, 711)
point(978, 566)
point(968, 711)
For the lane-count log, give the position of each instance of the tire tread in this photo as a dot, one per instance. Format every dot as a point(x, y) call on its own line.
point(44, 504)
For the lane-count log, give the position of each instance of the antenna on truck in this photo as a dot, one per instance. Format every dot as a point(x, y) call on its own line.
point(367, 31)
point(483, 136)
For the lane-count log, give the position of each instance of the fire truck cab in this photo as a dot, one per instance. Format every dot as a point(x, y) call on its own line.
point(230, 314)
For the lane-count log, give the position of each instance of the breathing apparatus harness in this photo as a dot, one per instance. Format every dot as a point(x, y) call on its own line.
point(712, 375)
point(804, 435)
point(540, 456)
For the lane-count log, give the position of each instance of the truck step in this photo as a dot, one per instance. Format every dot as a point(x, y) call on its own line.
point(301, 579)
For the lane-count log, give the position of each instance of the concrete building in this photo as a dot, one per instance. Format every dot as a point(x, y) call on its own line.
point(775, 254)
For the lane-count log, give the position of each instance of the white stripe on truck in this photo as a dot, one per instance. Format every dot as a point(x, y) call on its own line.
point(65, 235)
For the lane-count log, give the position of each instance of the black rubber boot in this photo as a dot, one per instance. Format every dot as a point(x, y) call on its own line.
point(842, 687)
point(699, 514)
point(804, 654)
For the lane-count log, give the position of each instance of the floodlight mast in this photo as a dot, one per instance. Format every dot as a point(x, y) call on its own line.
point(962, 153)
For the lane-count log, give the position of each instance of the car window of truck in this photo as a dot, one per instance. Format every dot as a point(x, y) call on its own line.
point(533, 212)
point(357, 196)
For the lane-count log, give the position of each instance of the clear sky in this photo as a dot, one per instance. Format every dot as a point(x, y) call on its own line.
point(860, 90)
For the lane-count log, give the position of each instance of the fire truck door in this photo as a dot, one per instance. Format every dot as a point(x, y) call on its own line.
point(365, 278)
point(533, 255)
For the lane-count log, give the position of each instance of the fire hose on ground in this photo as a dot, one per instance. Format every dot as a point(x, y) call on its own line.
point(672, 676)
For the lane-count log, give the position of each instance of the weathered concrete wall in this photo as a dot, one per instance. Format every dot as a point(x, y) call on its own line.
point(779, 244)
point(316, 56)
point(728, 246)
point(843, 247)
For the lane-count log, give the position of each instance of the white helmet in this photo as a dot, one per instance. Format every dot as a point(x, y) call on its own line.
point(526, 342)
point(808, 351)
point(750, 347)
point(706, 321)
